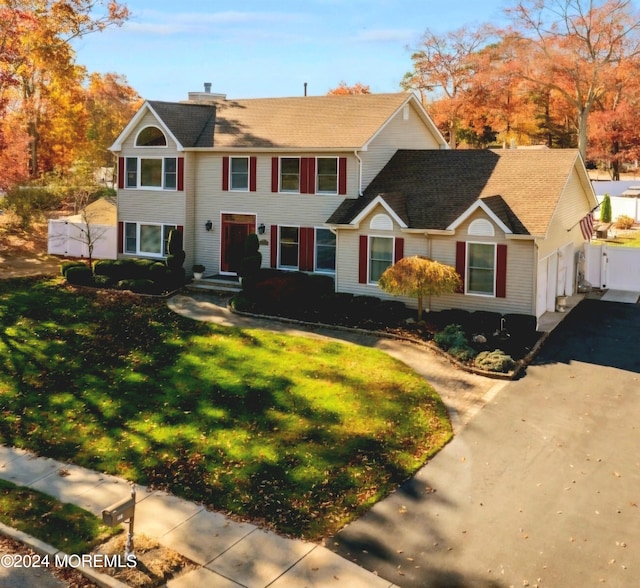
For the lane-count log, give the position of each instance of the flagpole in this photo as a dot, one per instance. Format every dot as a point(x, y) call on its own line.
point(590, 212)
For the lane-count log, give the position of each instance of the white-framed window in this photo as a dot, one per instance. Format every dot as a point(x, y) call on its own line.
point(481, 269)
point(289, 247)
point(149, 239)
point(327, 175)
point(380, 257)
point(155, 173)
point(289, 174)
point(239, 173)
point(325, 251)
point(151, 137)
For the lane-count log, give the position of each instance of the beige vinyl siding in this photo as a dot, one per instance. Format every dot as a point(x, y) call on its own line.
point(520, 267)
point(301, 210)
point(573, 205)
point(397, 134)
point(154, 206)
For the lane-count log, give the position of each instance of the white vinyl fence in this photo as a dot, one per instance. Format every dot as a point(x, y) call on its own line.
point(621, 205)
point(69, 239)
point(615, 268)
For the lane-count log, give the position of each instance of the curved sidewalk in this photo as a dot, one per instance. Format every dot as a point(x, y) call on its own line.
point(232, 554)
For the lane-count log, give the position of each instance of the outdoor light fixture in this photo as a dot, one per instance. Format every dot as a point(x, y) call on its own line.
point(261, 229)
point(208, 225)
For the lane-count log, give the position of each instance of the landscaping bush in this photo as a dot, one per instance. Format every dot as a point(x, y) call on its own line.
point(464, 353)
point(483, 321)
point(252, 260)
point(624, 222)
point(65, 265)
point(138, 286)
point(176, 256)
point(80, 275)
point(453, 316)
point(605, 209)
point(241, 302)
point(452, 336)
point(494, 361)
point(103, 281)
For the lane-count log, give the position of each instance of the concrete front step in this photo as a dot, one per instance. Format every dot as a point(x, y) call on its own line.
point(225, 286)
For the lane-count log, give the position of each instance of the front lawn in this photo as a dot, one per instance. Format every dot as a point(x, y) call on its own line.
point(297, 433)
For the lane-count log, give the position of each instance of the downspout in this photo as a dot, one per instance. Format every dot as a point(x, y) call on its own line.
point(355, 152)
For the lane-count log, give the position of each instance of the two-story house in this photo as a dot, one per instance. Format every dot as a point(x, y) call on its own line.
point(346, 185)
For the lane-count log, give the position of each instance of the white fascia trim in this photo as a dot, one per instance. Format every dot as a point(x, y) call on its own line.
point(137, 117)
point(479, 204)
point(379, 201)
point(249, 149)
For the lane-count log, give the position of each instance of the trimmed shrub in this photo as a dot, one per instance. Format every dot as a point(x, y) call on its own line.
point(483, 321)
point(176, 256)
point(452, 336)
point(494, 361)
point(66, 265)
point(241, 302)
point(464, 353)
point(80, 275)
point(252, 260)
point(605, 209)
point(624, 222)
point(138, 286)
point(103, 281)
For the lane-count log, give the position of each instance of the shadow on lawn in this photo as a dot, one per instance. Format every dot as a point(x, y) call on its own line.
point(111, 382)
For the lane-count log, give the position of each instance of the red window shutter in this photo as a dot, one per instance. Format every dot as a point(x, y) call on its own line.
point(461, 252)
point(342, 175)
point(225, 173)
point(306, 246)
point(120, 235)
point(274, 245)
point(398, 252)
point(253, 166)
point(180, 174)
point(311, 175)
point(121, 172)
point(501, 271)
point(275, 175)
point(180, 229)
point(304, 175)
point(363, 259)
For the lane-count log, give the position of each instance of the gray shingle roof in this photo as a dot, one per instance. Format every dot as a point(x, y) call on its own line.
point(191, 124)
point(430, 189)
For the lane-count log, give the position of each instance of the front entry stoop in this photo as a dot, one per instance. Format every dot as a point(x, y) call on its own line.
point(216, 284)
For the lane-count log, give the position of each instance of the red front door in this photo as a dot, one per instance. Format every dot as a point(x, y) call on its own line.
point(235, 228)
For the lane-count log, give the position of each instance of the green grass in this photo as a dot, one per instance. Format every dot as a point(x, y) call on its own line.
point(294, 432)
point(64, 526)
point(627, 239)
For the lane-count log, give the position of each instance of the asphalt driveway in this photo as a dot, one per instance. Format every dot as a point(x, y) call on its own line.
point(542, 488)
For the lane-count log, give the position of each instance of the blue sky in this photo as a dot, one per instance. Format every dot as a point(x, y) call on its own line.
point(254, 48)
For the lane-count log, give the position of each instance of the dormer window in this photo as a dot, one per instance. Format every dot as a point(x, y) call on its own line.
point(151, 137)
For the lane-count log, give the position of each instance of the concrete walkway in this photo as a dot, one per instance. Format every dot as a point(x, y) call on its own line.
point(232, 554)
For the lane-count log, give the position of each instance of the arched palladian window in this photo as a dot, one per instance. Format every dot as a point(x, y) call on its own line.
point(151, 137)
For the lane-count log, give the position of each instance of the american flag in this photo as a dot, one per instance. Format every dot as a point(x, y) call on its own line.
point(586, 226)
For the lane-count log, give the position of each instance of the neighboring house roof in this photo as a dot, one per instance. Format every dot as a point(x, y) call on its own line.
point(431, 189)
point(616, 188)
point(309, 122)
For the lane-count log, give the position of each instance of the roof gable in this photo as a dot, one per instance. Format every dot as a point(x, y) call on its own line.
point(188, 125)
point(519, 189)
point(309, 122)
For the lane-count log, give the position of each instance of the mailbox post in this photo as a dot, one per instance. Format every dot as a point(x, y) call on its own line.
point(121, 512)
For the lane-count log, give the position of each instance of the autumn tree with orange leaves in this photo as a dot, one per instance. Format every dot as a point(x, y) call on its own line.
point(41, 87)
point(419, 277)
point(343, 89)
